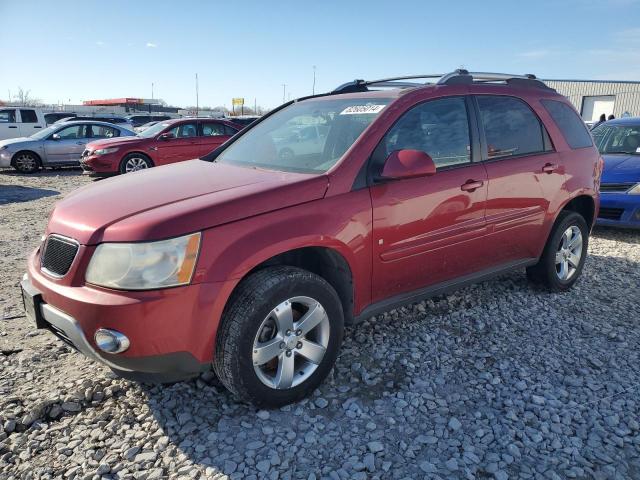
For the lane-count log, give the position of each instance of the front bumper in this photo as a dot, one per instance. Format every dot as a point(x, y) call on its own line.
point(5, 158)
point(171, 332)
point(619, 210)
point(100, 165)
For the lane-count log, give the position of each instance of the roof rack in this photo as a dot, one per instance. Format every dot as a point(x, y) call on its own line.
point(457, 77)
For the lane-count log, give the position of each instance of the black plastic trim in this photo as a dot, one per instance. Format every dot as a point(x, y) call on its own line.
point(441, 288)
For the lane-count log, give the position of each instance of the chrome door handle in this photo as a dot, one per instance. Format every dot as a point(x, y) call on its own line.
point(471, 185)
point(549, 168)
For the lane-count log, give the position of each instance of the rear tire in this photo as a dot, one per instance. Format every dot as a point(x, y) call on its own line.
point(135, 162)
point(26, 162)
point(259, 358)
point(564, 254)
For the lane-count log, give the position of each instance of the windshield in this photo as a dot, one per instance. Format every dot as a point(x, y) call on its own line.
point(307, 137)
point(154, 130)
point(42, 134)
point(622, 139)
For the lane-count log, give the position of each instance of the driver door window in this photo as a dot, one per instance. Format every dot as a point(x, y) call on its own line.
point(184, 130)
point(439, 128)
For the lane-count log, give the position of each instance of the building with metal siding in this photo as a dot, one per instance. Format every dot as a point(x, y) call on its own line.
point(593, 98)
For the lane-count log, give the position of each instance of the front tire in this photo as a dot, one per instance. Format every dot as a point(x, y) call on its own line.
point(564, 254)
point(279, 336)
point(26, 162)
point(135, 162)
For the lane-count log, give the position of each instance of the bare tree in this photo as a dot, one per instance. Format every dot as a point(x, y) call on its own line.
point(23, 97)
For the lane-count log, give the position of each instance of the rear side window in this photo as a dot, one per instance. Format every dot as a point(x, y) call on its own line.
point(28, 116)
point(437, 127)
point(8, 116)
point(212, 129)
point(510, 127)
point(572, 127)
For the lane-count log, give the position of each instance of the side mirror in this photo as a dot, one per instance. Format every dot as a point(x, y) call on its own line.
point(167, 136)
point(55, 136)
point(408, 164)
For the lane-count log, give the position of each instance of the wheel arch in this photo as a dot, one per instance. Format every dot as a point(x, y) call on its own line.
point(323, 261)
point(583, 204)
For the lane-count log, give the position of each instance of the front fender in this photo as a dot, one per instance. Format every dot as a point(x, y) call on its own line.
point(341, 223)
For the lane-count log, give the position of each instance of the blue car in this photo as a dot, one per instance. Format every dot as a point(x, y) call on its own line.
point(619, 143)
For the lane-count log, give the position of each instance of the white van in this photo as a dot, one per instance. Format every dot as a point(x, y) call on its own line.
point(20, 122)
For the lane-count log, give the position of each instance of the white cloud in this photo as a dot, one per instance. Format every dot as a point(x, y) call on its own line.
point(535, 54)
point(151, 45)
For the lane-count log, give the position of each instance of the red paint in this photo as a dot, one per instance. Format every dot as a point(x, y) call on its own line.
point(396, 236)
point(160, 149)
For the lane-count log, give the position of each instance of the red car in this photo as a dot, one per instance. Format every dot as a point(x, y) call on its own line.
point(253, 261)
point(166, 142)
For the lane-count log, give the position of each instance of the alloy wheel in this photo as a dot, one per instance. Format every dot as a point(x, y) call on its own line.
point(291, 342)
point(134, 164)
point(25, 162)
point(569, 253)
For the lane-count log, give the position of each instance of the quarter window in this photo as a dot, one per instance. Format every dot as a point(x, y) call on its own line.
point(439, 128)
point(510, 127)
point(8, 116)
point(572, 127)
point(28, 116)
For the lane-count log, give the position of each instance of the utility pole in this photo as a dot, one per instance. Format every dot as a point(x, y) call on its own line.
point(151, 90)
point(313, 90)
point(255, 106)
point(197, 97)
point(284, 89)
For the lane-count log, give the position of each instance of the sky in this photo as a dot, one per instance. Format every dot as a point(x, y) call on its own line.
point(70, 51)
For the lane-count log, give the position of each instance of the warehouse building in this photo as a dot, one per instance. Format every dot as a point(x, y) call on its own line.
point(593, 98)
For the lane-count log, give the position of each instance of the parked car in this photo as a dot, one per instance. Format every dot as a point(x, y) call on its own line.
point(142, 128)
point(20, 122)
point(140, 119)
point(55, 146)
point(243, 120)
point(619, 143)
point(253, 263)
point(116, 120)
point(53, 117)
point(165, 142)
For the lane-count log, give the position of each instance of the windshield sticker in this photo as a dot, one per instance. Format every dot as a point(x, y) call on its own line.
point(360, 109)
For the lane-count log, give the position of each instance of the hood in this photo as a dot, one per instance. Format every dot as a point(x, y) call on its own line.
point(621, 168)
point(114, 142)
point(176, 199)
point(11, 141)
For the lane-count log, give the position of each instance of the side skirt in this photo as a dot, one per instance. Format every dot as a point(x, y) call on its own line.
point(441, 288)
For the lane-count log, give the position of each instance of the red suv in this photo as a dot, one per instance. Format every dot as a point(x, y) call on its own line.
point(166, 142)
point(252, 260)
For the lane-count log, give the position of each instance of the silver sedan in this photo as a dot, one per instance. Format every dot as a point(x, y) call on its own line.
point(58, 145)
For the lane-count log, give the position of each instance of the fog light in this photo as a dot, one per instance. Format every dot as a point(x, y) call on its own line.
point(111, 341)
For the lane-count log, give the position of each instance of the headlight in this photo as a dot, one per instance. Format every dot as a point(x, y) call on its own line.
point(104, 151)
point(144, 266)
point(635, 190)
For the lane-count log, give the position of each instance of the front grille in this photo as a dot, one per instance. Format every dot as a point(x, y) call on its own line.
point(615, 187)
point(610, 213)
point(58, 254)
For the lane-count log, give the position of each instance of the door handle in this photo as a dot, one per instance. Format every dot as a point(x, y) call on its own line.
point(471, 185)
point(13, 126)
point(549, 168)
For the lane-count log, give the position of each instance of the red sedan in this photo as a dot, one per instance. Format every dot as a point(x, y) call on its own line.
point(166, 142)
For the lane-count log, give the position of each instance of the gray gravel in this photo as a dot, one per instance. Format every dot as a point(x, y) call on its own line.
point(499, 380)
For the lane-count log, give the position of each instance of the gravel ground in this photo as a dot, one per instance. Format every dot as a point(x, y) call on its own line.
point(499, 380)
